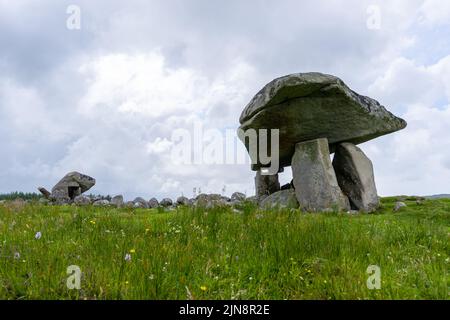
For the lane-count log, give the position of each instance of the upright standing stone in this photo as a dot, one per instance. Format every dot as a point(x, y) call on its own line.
point(266, 184)
point(354, 172)
point(315, 182)
point(117, 201)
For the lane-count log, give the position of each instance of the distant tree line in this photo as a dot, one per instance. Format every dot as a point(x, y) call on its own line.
point(20, 195)
point(36, 196)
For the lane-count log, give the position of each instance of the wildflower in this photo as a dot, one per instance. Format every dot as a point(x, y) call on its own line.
point(128, 257)
point(92, 222)
point(203, 288)
point(133, 251)
point(16, 255)
point(147, 230)
point(151, 277)
point(38, 235)
point(126, 282)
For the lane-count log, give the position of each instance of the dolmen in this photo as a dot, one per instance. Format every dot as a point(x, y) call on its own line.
point(69, 187)
point(316, 114)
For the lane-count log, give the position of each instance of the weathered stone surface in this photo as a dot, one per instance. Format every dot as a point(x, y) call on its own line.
point(129, 204)
point(266, 184)
point(281, 199)
point(211, 200)
point(153, 203)
point(399, 205)
point(315, 182)
point(70, 186)
point(44, 192)
point(166, 202)
point(237, 196)
point(183, 201)
point(354, 173)
point(306, 106)
point(101, 203)
point(82, 200)
point(140, 203)
point(117, 201)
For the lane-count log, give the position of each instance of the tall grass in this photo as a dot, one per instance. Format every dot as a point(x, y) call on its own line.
point(224, 253)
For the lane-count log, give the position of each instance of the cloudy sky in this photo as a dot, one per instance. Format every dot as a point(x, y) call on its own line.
point(104, 99)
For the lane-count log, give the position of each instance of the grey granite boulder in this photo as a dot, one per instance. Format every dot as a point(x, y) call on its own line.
point(398, 205)
point(101, 203)
point(153, 203)
point(166, 202)
point(140, 203)
point(354, 173)
point(45, 192)
point(315, 182)
point(117, 201)
point(82, 200)
point(183, 201)
point(281, 199)
point(266, 184)
point(306, 106)
point(237, 197)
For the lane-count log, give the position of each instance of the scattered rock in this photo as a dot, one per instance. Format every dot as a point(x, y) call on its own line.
point(252, 199)
point(354, 173)
point(238, 196)
point(140, 203)
point(129, 204)
point(166, 202)
point(117, 201)
point(101, 203)
point(153, 203)
point(183, 201)
point(44, 192)
point(315, 182)
point(281, 199)
point(399, 205)
point(82, 200)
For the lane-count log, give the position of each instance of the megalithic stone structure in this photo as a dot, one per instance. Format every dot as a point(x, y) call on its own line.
point(266, 184)
point(313, 106)
point(315, 182)
point(69, 187)
point(354, 172)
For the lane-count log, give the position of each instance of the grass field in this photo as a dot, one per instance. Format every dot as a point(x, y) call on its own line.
point(224, 254)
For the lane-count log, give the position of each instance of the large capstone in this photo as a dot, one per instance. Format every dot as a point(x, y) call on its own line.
point(315, 182)
point(266, 184)
point(354, 172)
point(306, 106)
point(70, 186)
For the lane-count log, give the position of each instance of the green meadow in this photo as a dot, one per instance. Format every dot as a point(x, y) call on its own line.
point(224, 253)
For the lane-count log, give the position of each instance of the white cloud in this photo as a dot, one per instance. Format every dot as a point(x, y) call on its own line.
point(105, 100)
point(435, 12)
